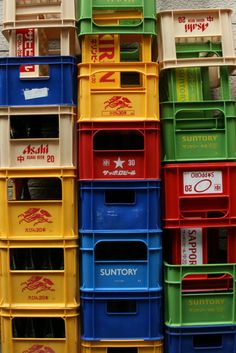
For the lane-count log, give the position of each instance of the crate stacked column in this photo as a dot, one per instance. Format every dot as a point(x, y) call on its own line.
point(38, 175)
point(198, 122)
point(119, 175)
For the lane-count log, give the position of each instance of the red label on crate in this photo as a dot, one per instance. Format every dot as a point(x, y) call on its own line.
point(195, 23)
point(25, 46)
point(202, 182)
point(39, 348)
point(102, 48)
point(35, 216)
point(38, 284)
point(191, 246)
point(118, 105)
point(118, 167)
point(36, 152)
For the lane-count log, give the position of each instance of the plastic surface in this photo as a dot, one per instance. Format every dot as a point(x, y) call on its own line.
point(200, 245)
point(39, 275)
point(104, 16)
point(102, 145)
point(138, 346)
point(36, 137)
point(40, 13)
point(118, 91)
point(122, 205)
point(198, 302)
point(26, 331)
point(190, 38)
point(121, 316)
point(207, 339)
point(44, 208)
point(196, 84)
point(121, 262)
point(199, 194)
point(198, 131)
point(54, 84)
point(101, 48)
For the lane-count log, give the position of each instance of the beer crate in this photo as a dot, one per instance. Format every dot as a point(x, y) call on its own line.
point(54, 83)
point(38, 274)
point(120, 205)
point(38, 204)
point(122, 150)
point(198, 131)
point(33, 137)
point(199, 295)
point(118, 16)
point(199, 194)
point(199, 37)
point(118, 91)
point(200, 245)
point(208, 339)
point(40, 331)
point(102, 48)
point(121, 262)
point(191, 84)
point(137, 346)
point(123, 316)
point(44, 41)
point(53, 13)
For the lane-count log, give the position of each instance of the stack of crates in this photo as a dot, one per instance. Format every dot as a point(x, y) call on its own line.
point(198, 122)
point(119, 178)
point(38, 175)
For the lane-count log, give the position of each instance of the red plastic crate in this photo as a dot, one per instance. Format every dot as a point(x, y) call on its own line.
point(129, 150)
point(199, 194)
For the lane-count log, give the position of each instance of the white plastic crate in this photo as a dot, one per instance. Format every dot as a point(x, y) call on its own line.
point(18, 13)
point(194, 28)
point(36, 137)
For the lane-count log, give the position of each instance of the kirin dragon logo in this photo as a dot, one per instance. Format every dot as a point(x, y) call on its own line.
point(118, 102)
point(35, 216)
point(38, 283)
point(39, 348)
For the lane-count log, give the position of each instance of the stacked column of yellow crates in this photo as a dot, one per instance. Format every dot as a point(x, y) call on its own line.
point(38, 228)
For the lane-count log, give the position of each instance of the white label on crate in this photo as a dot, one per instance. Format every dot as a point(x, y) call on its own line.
point(191, 246)
point(36, 93)
point(202, 182)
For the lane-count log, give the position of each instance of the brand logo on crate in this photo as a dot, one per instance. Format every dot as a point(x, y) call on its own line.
point(192, 24)
point(202, 182)
point(191, 246)
point(39, 348)
point(35, 216)
point(25, 46)
point(118, 271)
point(115, 167)
point(33, 152)
point(118, 105)
point(102, 48)
point(38, 284)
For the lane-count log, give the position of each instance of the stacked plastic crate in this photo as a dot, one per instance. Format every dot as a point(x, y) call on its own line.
point(119, 175)
point(198, 122)
point(38, 175)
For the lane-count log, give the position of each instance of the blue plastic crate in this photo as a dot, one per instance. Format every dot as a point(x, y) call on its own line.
point(121, 315)
point(121, 262)
point(205, 339)
point(55, 85)
point(120, 205)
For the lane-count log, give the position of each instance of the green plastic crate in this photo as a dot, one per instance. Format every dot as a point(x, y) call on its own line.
point(195, 84)
point(116, 16)
point(198, 49)
point(212, 307)
point(198, 131)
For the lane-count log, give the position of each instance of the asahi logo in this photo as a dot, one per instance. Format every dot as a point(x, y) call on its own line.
point(35, 216)
point(30, 149)
point(118, 105)
point(38, 284)
point(118, 271)
point(39, 348)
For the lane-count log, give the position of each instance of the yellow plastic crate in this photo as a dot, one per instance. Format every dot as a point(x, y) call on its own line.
point(38, 204)
point(122, 345)
point(40, 331)
point(38, 137)
point(118, 92)
point(102, 48)
point(35, 274)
